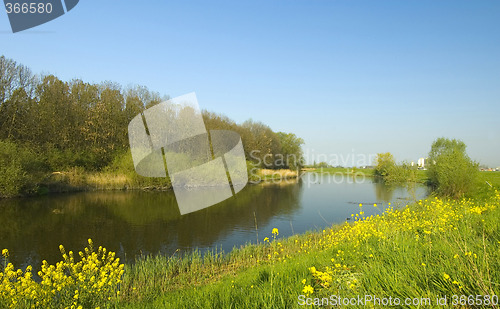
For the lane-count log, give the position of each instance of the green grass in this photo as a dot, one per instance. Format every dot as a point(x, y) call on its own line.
point(221, 280)
point(485, 182)
point(492, 177)
point(457, 252)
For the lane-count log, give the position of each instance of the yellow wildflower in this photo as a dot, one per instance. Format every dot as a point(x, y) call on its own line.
point(308, 290)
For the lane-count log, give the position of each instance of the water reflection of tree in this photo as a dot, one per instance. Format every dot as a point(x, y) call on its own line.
point(133, 222)
point(205, 227)
point(383, 192)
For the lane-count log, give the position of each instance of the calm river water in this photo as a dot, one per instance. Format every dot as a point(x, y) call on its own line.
point(135, 222)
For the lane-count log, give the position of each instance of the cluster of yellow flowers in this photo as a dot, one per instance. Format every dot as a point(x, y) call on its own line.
point(339, 274)
point(430, 216)
point(276, 248)
point(89, 283)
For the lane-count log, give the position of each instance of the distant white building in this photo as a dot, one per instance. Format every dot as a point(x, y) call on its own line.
point(423, 162)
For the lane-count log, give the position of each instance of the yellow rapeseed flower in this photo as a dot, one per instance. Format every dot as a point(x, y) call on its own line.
point(66, 277)
point(308, 290)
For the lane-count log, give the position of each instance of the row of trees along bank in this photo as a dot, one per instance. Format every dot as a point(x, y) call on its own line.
point(48, 125)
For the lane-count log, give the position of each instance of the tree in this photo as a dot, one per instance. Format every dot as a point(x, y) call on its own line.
point(451, 172)
point(385, 163)
point(261, 144)
point(291, 150)
point(105, 127)
point(7, 77)
point(12, 114)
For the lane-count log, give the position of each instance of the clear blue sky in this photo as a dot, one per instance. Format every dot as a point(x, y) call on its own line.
point(347, 76)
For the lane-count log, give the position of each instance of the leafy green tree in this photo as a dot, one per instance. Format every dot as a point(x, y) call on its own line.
point(83, 99)
point(291, 150)
point(7, 77)
point(53, 114)
point(105, 126)
point(262, 144)
point(385, 163)
point(13, 116)
point(17, 85)
point(56, 125)
point(451, 172)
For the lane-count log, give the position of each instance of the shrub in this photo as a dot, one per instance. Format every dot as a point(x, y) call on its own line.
point(12, 173)
point(401, 174)
point(391, 173)
point(451, 172)
point(21, 169)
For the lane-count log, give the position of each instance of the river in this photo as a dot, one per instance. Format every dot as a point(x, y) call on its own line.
point(141, 222)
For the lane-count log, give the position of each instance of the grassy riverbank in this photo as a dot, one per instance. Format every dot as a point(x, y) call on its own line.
point(433, 248)
point(273, 175)
point(79, 180)
point(121, 176)
point(426, 250)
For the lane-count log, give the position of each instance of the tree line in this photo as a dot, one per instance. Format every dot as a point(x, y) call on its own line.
point(47, 124)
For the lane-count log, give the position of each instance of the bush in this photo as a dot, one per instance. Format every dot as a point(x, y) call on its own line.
point(21, 169)
point(12, 174)
point(451, 172)
point(401, 174)
point(391, 173)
